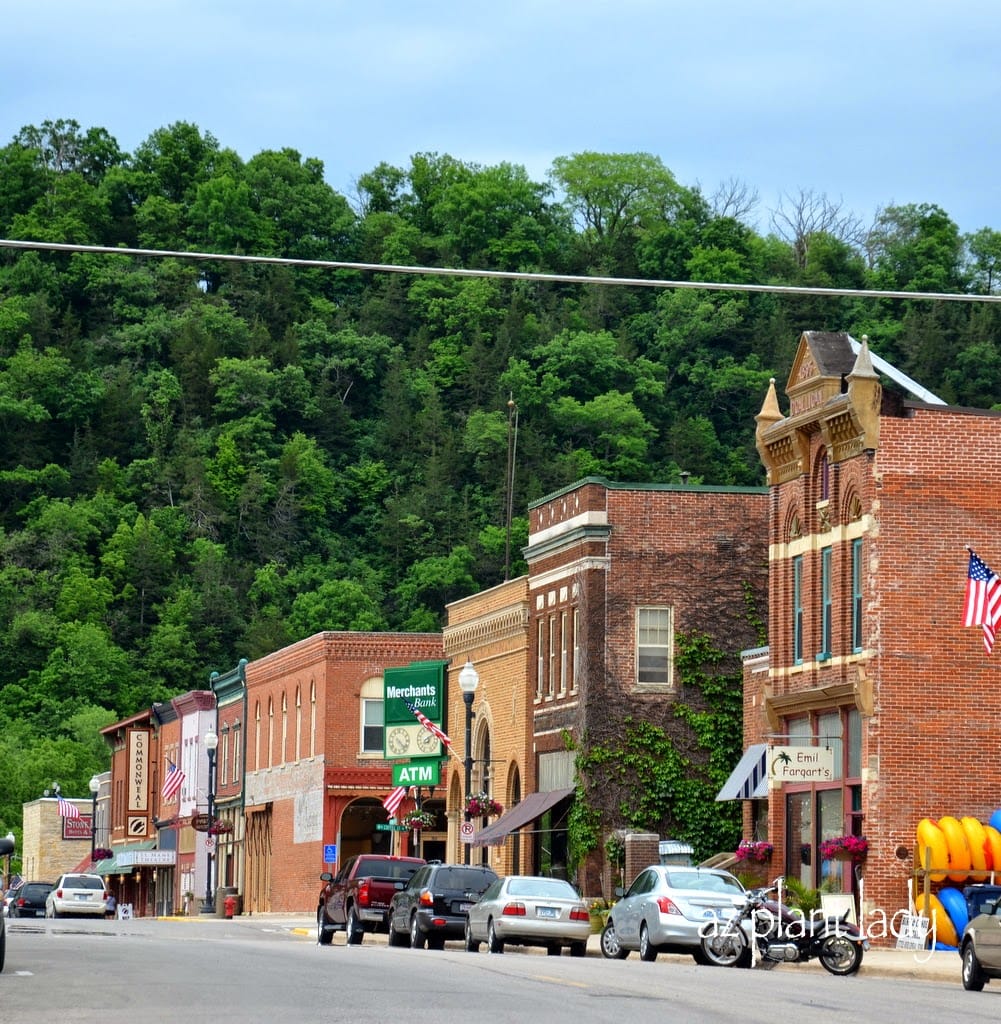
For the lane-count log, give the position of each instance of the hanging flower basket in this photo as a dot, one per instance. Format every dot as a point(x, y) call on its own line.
point(852, 848)
point(481, 805)
point(752, 850)
point(418, 820)
point(101, 853)
point(219, 827)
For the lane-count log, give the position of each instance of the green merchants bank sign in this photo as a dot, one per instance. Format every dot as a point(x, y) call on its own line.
point(422, 683)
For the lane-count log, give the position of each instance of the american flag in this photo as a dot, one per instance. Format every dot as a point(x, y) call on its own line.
point(66, 809)
point(983, 599)
point(172, 781)
point(393, 801)
point(435, 730)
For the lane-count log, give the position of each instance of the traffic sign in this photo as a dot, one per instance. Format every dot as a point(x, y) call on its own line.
point(466, 831)
point(385, 826)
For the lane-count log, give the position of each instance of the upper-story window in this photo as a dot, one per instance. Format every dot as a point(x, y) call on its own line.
point(372, 716)
point(857, 594)
point(826, 609)
point(797, 610)
point(654, 644)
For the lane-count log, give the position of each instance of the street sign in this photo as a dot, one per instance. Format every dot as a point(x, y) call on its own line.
point(466, 831)
point(385, 826)
point(329, 853)
point(417, 772)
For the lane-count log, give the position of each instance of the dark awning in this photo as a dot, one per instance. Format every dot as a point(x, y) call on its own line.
point(533, 806)
point(749, 780)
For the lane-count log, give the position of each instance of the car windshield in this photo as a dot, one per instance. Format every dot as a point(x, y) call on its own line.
point(82, 882)
point(463, 878)
point(705, 881)
point(551, 888)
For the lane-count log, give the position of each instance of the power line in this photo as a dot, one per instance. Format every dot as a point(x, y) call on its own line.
point(509, 275)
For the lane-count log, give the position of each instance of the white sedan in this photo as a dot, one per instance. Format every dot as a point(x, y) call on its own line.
point(529, 910)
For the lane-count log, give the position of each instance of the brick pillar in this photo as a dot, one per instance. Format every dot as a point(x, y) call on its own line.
point(642, 850)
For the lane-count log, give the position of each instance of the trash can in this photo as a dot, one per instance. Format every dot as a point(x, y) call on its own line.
point(221, 895)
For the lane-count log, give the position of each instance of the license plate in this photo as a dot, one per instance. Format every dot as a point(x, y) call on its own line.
point(464, 908)
point(82, 896)
point(546, 912)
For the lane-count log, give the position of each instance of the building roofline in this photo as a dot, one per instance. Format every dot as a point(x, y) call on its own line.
point(614, 485)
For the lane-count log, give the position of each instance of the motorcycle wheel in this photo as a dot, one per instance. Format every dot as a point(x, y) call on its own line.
point(726, 949)
point(840, 955)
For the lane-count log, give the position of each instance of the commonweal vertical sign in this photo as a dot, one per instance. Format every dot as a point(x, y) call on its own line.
point(137, 781)
point(801, 764)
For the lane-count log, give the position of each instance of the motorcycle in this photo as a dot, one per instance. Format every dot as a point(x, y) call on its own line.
point(764, 930)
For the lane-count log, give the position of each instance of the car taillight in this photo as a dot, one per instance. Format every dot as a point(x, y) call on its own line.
point(666, 906)
point(363, 893)
point(20, 901)
point(579, 914)
point(107, 895)
point(426, 898)
point(514, 910)
point(59, 894)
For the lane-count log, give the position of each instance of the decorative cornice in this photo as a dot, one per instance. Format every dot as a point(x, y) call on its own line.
point(499, 625)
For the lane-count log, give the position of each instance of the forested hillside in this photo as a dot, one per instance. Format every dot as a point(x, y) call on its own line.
point(203, 461)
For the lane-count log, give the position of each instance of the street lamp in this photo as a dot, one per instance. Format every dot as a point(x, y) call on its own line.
point(469, 679)
point(211, 742)
point(95, 785)
point(10, 840)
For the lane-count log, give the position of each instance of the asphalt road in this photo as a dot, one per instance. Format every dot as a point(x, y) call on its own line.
point(267, 969)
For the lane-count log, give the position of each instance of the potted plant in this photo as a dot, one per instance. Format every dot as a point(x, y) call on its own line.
point(482, 805)
point(418, 820)
point(754, 851)
point(852, 848)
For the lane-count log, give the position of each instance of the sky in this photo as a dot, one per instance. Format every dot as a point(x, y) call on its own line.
point(868, 104)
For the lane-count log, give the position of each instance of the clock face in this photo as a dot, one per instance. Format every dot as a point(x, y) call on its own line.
point(427, 743)
point(398, 741)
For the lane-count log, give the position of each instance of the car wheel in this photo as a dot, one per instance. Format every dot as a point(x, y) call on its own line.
point(494, 944)
point(395, 938)
point(472, 945)
point(353, 928)
point(578, 949)
point(610, 948)
point(417, 937)
point(324, 936)
point(973, 975)
point(648, 951)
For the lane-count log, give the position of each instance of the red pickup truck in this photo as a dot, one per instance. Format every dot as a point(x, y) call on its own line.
point(356, 899)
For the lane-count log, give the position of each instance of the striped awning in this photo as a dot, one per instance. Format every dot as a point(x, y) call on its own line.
point(749, 780)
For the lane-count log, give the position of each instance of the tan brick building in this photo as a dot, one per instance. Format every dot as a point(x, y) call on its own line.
point(872, 500)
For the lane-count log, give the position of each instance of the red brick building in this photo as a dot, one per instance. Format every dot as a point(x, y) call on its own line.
point(315, 774)
point(615, 571)
point(872, 500)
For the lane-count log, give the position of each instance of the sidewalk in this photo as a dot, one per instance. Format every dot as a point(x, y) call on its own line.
point(921, 965)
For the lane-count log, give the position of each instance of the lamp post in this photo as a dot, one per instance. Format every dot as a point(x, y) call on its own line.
point(11, 840)
point(469, 679)
point(95, 785)
point(211, 742)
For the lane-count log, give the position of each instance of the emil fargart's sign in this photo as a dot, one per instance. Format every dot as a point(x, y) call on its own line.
point(801, 764)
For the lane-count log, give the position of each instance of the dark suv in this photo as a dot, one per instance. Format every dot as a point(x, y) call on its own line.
point(29, 900)
point(433, 906)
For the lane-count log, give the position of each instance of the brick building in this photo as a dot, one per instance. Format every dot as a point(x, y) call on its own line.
point(315, 771)
point(872, 500)
point(615, 572)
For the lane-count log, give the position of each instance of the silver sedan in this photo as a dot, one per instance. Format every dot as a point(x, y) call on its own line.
point(528, 910)
point(665, 909)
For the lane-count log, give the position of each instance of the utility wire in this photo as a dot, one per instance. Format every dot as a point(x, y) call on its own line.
point(509, 275)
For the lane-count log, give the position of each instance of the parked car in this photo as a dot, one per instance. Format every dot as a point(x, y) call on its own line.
point(665, 908)
point(527, 910)
point(6, 849)
point(7, 897)
point(29, 899)
point(77, 894)
point(434, 905)
point(980, 946)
